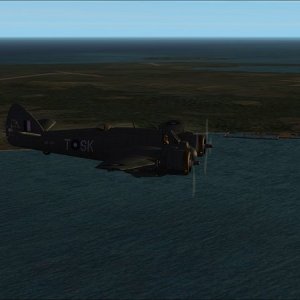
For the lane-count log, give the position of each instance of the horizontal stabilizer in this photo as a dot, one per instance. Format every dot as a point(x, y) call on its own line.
point(47, 124)
point(29, 133)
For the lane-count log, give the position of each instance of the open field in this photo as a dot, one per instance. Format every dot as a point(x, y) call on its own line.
point(91, 94)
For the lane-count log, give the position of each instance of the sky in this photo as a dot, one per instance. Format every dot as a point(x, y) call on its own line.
point(150, 19)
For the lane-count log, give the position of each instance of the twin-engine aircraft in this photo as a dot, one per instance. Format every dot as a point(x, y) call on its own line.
point(163, 150)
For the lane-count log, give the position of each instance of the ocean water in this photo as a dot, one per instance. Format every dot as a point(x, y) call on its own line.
point(69, 230)
point(276, 55)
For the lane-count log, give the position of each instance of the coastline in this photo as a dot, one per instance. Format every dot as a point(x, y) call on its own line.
point(84, 95)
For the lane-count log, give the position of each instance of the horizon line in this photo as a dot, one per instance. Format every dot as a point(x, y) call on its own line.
point(142, 37)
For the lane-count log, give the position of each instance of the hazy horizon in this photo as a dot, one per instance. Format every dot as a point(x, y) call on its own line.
point(149, 38)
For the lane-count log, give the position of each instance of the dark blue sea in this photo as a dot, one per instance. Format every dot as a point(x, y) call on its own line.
point(69, 230)
point(247, 55)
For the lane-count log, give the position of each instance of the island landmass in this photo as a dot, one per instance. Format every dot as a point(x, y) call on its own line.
point(86, 95)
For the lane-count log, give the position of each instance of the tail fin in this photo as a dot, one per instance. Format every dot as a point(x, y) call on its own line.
point(22, 129)
point(20, 120)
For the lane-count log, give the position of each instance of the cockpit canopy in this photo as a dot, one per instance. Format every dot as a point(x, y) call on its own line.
point(105, 126)
point(174, 125)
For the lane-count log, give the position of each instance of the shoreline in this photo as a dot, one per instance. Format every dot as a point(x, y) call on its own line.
point(81, 95)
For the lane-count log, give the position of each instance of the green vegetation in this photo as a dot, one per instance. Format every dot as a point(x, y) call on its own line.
point(91, 94)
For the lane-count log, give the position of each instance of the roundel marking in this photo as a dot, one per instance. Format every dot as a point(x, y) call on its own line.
point(75, 144)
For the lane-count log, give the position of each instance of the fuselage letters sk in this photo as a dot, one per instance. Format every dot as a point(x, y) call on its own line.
point(84, 145)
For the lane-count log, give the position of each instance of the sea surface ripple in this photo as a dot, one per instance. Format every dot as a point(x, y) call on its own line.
point(69, 230)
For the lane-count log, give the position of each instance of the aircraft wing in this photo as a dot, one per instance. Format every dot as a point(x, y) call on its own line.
point(127, 163)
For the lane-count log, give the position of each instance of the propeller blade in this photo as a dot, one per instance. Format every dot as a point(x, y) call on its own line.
point(205, 165)
point(206, 130)
point(210, 145)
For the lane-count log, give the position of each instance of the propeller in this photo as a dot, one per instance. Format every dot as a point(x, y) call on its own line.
point(207, 150)
point(208, 145)
point(193, 183)
point(206, 130)
point(208, 142)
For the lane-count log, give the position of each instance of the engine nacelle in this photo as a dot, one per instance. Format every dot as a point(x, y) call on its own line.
point(197, 141)
point(178, 159)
